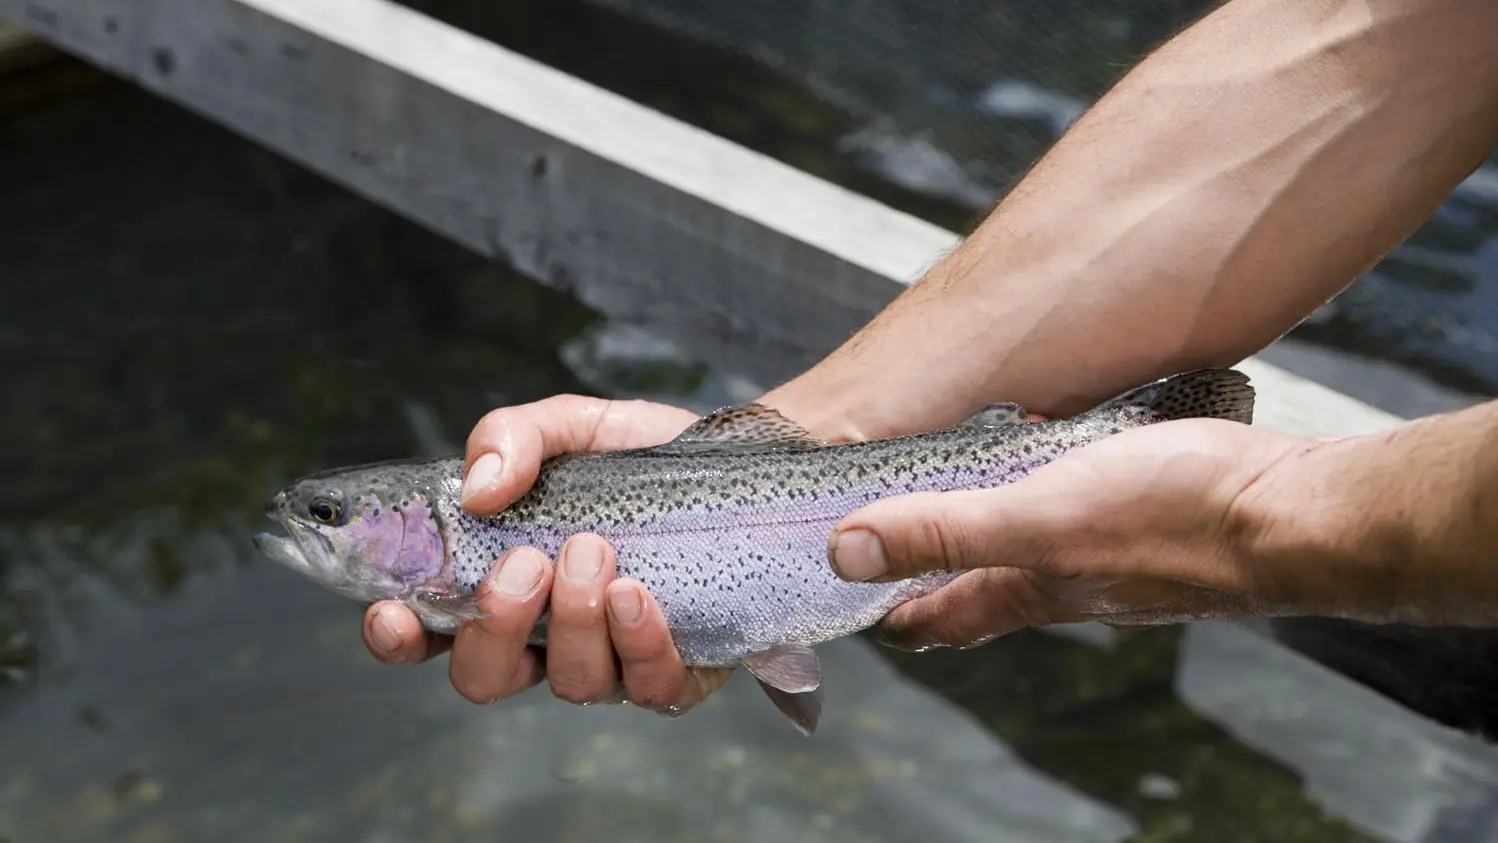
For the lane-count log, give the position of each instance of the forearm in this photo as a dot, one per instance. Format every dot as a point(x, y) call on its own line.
point(1230, 184)
point(1400, 526)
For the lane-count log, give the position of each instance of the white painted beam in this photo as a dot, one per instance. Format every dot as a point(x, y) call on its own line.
point(747, 263)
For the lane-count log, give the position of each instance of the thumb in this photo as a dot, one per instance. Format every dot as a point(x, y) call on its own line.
point(506, 448)
point(904, 536)
point(508, 445)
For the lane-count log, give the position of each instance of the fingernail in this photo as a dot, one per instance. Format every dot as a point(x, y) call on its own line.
point(519, 574)
point(382, 630)
point(481, 475)
point(857, 555)
point(625, 605)
point(581, 561)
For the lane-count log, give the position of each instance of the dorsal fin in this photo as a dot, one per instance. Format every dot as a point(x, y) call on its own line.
point(1201, 393)
point(996, 415)
point(744, 427)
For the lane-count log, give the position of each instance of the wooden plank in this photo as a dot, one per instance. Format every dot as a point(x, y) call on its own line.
point(751, 265)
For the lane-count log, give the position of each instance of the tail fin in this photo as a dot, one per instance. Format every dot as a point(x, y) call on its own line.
point(1204, 393)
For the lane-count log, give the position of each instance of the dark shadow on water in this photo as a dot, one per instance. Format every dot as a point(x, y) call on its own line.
point(189, 321)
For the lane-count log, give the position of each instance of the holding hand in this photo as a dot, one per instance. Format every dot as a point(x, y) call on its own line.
point(602, 632)
point(1141, 528)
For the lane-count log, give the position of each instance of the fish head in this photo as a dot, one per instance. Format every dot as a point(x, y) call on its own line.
point(367, 533)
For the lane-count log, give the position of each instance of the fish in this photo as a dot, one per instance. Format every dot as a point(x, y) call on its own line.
point(727, 525)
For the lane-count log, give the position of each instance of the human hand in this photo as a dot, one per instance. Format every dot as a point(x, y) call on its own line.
point(1137, 529)
point(601, 631)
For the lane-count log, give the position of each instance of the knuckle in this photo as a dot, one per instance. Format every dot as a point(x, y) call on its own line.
point(659, 694)
point(1029, 600)
point(575, 616)
point(644, 646)
point(562, 401)
point(577, 608)
point(490, 428)
point(577, 691)
point(569, 407)
point(708, 681)
point(939, 542)
point(404, 656)
point(476, 692)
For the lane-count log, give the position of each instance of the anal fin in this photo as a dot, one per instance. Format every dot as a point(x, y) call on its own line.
point(792, 678)
point(794, 670)
point(803, 710)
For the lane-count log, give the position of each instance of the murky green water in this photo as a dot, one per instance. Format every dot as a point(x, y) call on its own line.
point(188, 321)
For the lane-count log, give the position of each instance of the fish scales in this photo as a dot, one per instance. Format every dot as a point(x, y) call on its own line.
point(734, 547)
point(727, 525)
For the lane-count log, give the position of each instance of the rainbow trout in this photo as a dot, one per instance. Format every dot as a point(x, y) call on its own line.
point(726, 525)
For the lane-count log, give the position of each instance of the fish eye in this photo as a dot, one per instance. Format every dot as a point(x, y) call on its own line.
point(324, 509)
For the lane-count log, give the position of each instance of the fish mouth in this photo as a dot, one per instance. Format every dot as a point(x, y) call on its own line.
point(293, 551)
point(284, 551)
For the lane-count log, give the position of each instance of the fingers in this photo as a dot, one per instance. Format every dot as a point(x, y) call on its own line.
point(593, 618)
point(654, 675)
point(490, 659)
point(982, 605)
point(973, 609)
point(934, 531)
point(506, 448)
point(579, 653)
point(394, 635)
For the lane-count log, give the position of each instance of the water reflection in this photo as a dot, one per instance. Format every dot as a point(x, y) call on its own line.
point(191, 321)
point(1362, 757)
point(222, 724)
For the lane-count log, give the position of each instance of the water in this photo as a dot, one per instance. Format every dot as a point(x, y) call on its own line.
point(189, 321)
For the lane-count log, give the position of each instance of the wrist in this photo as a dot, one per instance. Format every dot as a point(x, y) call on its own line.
point(1344, 529)
point(1294, 526)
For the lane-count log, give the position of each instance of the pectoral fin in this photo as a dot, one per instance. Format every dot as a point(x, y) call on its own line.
point(444, 612)
point(792, 678)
